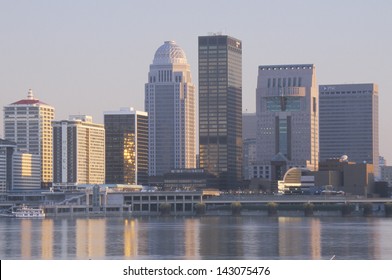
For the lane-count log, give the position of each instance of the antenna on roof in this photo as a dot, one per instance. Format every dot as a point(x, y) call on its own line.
point(30, 94)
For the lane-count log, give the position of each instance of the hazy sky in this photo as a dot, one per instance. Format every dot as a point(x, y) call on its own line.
point(91, 56)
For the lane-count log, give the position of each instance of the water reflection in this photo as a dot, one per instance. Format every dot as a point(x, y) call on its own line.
point(192, 239)
point(90, 238)
point(26, 239)
point(130, 238)
point(47, 239)
point(247, 237)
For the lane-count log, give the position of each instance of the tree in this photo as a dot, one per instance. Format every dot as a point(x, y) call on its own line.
point(236, 208)
point(272, 208)
point(165, 208)
point(200, 208)
point(308, 209)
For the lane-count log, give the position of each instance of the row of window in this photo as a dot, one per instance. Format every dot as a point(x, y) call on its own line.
point(284, 82)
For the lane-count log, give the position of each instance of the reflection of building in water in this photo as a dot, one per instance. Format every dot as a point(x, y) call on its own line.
point(219, 240)
point(47, 239)
point(25, 238)
point(291, 238)
point(382, 232)
point(315, 239)
point(130, 237)
point(64, 238)
point(295, 241)
point(250, 237)
point(210, 233)
point(192, 238)
point(90, 238)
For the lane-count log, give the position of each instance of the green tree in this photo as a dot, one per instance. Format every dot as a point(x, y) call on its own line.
point(200, 208)
point(236, 208)
point(165, 208)
point(272, 208)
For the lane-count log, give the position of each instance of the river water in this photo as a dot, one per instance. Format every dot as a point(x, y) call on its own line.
point(208, 237)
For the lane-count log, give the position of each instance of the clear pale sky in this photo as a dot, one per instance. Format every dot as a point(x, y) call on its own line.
point(86, 57)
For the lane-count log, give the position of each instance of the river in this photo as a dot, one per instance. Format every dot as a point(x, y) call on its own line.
point(208, 237)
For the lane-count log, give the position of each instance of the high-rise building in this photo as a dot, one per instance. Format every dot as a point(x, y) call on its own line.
point(170, 104)
point(78, 152)
point(287, 114)
point(7, 150)
point(28, 123)
point(220, 108)
point(249, 129)
point(349, 123)
point(18, 171)
point(126, 146)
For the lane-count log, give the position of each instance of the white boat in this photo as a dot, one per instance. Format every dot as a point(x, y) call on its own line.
point(28, 212)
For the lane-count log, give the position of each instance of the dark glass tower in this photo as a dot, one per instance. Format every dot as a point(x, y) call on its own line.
point(220, 108)
point(126, 146)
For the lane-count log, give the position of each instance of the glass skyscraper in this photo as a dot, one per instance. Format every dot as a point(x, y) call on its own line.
point(220, 108)
point(349, 123)
point(126, 146)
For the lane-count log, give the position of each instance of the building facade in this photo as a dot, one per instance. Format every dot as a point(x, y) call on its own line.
point(386, 174)
point(78, 152)
point(7, 150)
point(126, 146)
point(28, 123)
point(220, 108)
point(287, 119)
point(349, 123)
point(249, 135)
point(170, 104)
point(26, 172)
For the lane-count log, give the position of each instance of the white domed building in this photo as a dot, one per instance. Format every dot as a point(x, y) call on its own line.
point(170, 103)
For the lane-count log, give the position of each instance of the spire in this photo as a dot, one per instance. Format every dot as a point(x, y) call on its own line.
point(30, 94)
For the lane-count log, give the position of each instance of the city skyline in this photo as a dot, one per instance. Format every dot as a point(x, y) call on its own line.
point(69, 53)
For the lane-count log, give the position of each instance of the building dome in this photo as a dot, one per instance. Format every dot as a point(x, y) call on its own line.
point(169, 53)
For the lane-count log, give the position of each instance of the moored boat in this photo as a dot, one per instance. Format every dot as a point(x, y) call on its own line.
point(28, 212)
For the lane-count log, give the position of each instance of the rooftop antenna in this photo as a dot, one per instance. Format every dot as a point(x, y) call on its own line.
point(30, 94)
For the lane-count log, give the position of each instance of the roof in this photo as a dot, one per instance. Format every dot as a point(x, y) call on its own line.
point(28, 102)
point(169, 53)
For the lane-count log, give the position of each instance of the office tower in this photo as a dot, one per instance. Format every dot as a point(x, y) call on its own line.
point(170, 104)
point(18, 171)
point(220, 108)
point(7, 150)
point(78, 152)
point(287, 115)
point(26, 171)
point(349, 123)
point(126, 146)
point(249, 128)
point(28, 123)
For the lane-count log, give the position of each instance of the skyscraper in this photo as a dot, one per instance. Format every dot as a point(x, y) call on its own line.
point(220, 108)
point(28, 123)
point(126, 145)
point(287, 115)
point(249, 136)
point(170, 104)
point(349, 123)
point(7, 150)
point(78, 152)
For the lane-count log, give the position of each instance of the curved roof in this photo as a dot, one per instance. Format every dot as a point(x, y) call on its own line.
point(169, 53)
point(294, 174)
